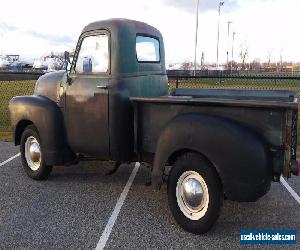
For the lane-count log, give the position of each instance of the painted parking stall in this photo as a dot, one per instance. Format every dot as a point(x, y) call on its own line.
point(146, 222)
point(9, 159)
point(69, 210)
point(7, 150)
point(80, 207)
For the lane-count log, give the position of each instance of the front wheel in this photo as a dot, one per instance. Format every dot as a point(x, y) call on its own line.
point(32, 154)
point(195, 193)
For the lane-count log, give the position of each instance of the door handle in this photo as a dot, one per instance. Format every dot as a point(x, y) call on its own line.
point(104, 86)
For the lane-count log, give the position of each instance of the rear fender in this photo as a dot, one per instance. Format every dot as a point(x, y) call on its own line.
point(239, 155)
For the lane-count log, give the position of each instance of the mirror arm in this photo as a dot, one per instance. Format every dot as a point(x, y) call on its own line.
point(69, 79)
point(67, 62)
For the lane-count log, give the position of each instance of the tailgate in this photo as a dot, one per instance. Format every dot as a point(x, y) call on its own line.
point(290, 146)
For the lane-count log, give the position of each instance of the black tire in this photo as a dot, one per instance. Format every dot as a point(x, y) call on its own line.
point(43, 170)
point(193, 162)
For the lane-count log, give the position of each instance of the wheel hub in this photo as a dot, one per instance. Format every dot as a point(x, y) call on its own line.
point(192, 193)
point(33, 153)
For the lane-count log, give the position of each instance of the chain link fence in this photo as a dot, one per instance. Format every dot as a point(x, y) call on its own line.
point(237, 82)
point(254, 82)
point(8, 89)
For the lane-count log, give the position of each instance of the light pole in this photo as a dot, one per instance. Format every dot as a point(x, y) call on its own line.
point(218, 37)
point(228, 42)
point(233, 35)
point(196, 38)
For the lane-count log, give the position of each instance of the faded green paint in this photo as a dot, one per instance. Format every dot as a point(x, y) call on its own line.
point(141, 79)
point(147, 86)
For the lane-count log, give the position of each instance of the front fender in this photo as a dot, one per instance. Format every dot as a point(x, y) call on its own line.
point(239, 155)
point(48, 119)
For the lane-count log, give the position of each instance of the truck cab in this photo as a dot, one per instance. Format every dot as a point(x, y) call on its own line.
point(113, 60)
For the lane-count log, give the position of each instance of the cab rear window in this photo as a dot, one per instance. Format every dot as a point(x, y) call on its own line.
point(147, 49)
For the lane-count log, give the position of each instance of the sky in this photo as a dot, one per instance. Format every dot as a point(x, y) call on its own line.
point(266, 27)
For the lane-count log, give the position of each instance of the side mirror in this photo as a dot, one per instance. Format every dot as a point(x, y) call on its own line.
point(67, 65)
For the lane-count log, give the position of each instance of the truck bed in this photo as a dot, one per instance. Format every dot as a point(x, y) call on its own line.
point(265, 112)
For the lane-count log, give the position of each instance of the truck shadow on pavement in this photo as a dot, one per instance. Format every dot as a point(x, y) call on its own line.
point(90, 172)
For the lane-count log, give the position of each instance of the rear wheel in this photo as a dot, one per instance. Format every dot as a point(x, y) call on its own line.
point(32, 154)
point(195, 193)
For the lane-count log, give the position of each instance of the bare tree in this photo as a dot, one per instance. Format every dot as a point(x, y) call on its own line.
point(186, 65)
point(269, 56)
point(244, 53)
point(281, 52)
point(202, 61)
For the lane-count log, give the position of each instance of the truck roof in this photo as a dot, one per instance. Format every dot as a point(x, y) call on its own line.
point(123, 33)
point(121, 24)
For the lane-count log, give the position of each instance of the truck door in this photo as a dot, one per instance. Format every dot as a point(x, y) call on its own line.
point(86, 110)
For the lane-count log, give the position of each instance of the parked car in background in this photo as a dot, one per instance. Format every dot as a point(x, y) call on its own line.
point(48, 63)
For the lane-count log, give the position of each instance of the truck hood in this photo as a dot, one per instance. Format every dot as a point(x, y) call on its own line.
point(49, 85)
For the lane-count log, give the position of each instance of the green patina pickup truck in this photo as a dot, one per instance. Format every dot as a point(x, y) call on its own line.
point(112, 103)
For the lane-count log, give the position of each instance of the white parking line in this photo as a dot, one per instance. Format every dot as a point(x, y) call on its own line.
point(111, 222)
point(10, 159)
point(291, 191)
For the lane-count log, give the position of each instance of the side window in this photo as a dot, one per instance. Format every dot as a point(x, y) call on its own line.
point(93, 55)
point(147, 49)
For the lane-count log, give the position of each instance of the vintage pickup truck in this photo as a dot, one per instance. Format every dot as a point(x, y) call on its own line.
point(112, 103)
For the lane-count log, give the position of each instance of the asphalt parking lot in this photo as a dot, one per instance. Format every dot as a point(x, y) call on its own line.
point(72, 208)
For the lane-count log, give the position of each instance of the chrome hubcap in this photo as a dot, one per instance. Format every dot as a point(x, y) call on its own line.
point(33, 153)
point(192, 195)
